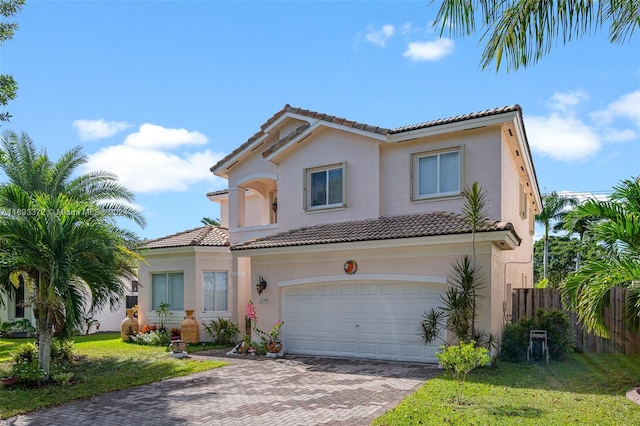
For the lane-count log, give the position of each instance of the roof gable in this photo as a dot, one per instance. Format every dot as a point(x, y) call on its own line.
point(311, 120)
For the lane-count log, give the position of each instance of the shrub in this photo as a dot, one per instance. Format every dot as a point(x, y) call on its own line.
point(62, 350)
point(159, 337)
point(146, 329)
point(223, 331)
point(515, 337)
point(28, 373)
point(25, 352)
point(559, 333)
point(63, 379)
point(460, 359)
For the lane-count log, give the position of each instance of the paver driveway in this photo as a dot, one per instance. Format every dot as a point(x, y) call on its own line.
point(291, 391)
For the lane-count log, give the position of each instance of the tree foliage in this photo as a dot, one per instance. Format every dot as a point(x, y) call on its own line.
point(617, 229)
point(8, 85)
point(552, 217)
point(58, 234)
point(520, 32)
point(460, 359)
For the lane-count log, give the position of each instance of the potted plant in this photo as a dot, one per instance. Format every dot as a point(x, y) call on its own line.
point(175, 334)
point(274, 346)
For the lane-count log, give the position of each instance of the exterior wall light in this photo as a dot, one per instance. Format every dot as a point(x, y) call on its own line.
point(262, 284)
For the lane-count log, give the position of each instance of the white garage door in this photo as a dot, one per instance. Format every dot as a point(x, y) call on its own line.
point(364, 320)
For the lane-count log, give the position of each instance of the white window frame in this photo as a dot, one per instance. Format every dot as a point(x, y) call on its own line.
point(308, 184)
point(415, 171)
point(172, 307)
point(215, 289)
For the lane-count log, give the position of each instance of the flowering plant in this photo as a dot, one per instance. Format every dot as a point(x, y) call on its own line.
point(251, 311)
point(273, 335)
point(275, 331)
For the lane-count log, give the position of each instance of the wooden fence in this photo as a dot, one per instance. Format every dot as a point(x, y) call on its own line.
point(526, 301)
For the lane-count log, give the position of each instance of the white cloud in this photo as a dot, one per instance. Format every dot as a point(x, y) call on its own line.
point(564, 138)
point(563, 135)
point(406, 28)
point(626, 106)
point(158, 137)
point(144, 165)
point(615, 135)
point(429, 50)
point(98, 129)
point(566, 101)
point(380, 36)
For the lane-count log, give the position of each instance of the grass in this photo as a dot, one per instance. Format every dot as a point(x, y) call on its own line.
point(105, 363)
point(585, 389)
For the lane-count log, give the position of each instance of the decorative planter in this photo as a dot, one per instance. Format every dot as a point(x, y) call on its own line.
point(189, 329)
point(274, 347)
point(128, 326)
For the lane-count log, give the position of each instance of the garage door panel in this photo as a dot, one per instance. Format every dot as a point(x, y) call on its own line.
point(368, 320)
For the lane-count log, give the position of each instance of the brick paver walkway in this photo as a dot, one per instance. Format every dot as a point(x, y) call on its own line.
point(291, 391)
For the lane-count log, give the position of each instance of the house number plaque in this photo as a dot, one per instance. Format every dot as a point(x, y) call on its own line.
point(263, 300)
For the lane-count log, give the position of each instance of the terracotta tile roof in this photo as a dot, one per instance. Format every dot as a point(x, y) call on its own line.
point(354, 124)
point(220, 192)
point(336, 120)
point(384, 228)
point(208, 235)
point(458, 118)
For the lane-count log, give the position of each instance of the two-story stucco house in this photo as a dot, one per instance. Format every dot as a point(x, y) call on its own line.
point(355, 228)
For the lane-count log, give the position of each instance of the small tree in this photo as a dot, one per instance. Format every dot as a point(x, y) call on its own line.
point(460, 359)
point(163, 311)
point(458, 313)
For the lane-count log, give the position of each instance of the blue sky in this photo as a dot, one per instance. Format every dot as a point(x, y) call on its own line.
point(158, 91)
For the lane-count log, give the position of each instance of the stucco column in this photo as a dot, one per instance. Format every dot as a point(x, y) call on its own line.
point(236, 207)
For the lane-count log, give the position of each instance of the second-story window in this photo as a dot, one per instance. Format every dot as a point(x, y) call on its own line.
point(325, 187)
point(436, 174)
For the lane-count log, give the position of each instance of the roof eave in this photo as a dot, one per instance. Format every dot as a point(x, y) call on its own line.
point(505, 240)
point(455, 126)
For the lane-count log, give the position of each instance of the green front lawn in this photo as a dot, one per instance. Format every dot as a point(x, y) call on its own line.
point(105, 364)
point(587, 389)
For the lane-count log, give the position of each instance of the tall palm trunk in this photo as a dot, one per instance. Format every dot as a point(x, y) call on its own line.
point(43, 325)
point(545, 256)
point(44, 345)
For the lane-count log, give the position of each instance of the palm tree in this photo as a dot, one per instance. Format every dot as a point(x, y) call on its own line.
point(523, 31)
point(458, 312)
point(554, 210)
point(580, 226)
point(58, 235)
point(209, 221)
point(33, 171)
point(587, 291)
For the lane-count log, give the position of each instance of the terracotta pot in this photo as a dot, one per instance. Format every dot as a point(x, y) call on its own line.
point(8, 381)
point(128, 326)
point(190, 329)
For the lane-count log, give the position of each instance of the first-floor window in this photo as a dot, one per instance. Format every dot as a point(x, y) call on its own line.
point(215, 291)
point(168, 288)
